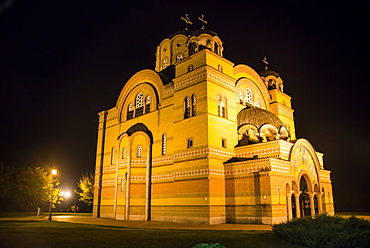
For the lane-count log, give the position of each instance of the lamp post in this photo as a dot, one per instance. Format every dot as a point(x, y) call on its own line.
point(53, 173)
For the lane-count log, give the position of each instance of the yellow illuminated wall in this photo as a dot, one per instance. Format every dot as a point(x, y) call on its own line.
point(170, 150)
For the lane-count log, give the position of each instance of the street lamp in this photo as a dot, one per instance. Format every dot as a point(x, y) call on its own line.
point(53, 173)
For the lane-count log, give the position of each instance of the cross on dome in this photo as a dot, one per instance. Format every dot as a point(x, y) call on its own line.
point(203, 21)
point(187, 21)
point(266, 63)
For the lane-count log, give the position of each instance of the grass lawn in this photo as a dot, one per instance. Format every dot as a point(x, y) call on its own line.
point(33, 232)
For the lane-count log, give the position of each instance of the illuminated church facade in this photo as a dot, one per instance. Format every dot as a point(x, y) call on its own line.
point(202, 140)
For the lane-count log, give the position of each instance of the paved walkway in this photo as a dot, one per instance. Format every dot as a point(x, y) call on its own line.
point(158, 224)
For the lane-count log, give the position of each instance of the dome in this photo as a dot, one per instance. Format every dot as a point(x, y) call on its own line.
point(258, 117)
point(184, 32)
point(204, 31)
point(266, 73)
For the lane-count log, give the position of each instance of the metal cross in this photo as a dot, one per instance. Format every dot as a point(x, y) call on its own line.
point(187, 21)
point(203, 21)
point(266, 63)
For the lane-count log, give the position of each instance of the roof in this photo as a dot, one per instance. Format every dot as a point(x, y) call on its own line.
point(204, 31)
point(266, 73)
point(258, 117)
point(184, 32)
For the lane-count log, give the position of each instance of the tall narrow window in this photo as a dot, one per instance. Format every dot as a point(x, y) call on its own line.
point(190, 143)
point(190, 68)
point(139, 105)
point(193, 105)
point(257, 103)
point(124, 153)
point(220, 68)
point(164, 144)
point(147, 104)
point(223, 143)
point(216, 48)
point(112, 156)
point(165, 64)
point(241, 98)
point(249, 97)
point(139, 151)
point(130, 112)
point(186, 108)
point(122, 184)
point(223, 107)
point(219, 109)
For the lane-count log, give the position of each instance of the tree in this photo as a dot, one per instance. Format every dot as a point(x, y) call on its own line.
point(86, 184)
point(25, 188)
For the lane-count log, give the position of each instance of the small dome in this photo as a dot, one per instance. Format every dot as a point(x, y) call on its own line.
point(266, 73)
point(184, 32)
point(258, 117)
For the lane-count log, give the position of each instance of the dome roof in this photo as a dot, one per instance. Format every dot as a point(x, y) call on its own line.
point(184, 32)
point(204, 31)
point(258, 117)
point(266, 73)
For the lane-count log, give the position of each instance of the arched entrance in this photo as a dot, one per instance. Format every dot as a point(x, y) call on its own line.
point(139, 169)
point(304, 198)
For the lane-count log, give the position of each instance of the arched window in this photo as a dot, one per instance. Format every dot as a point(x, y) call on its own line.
point(241, 98)
point(216, 48)
point(249, 97)
point(124, 153)
point(139, 151)
point(112, 156)
point(219, 110)
point(130, 112)
point(186, 108)
point(164, 144)
point(224, 107)
point(220, 68)
point(139, 105)
point(193, 105)
point(147, 104)
point(165, 63)
point(122, 184)
point(179, 57)
point(190, 68)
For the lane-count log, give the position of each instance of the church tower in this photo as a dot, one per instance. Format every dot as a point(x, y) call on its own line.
point(202, 140)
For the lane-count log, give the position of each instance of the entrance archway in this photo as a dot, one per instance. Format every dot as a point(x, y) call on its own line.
point(304, 198)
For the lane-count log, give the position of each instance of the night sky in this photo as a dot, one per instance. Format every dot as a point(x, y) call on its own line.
point(62, 62)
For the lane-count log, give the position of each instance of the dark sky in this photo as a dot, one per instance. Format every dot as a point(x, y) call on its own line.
point(62, 62)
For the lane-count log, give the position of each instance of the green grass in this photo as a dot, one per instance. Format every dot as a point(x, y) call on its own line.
point(42, 233)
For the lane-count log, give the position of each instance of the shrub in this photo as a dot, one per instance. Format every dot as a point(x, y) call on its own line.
point(215, 245)
point(326, 231)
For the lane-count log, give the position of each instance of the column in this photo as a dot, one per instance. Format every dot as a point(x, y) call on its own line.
point(128, 183)
point(289, 205)
point(298, 207)
point(312, 205)
point(319, 202)
point(148, 184)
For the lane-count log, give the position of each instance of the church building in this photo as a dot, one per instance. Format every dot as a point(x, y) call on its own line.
point(202, 140)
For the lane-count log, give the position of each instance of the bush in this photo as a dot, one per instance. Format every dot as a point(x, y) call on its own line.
point(326, 231)
point(215, 245)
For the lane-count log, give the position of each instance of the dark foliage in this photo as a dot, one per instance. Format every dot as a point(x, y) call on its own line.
point(326, 231)
point(204, 245)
